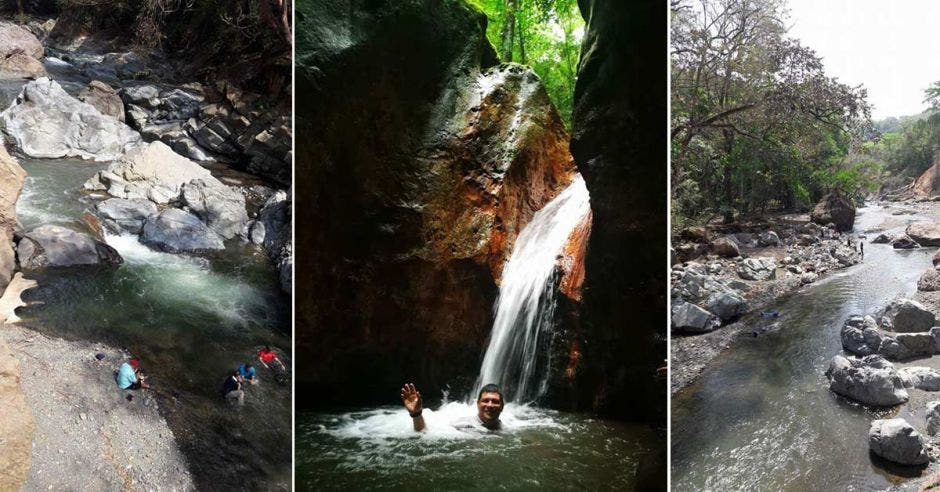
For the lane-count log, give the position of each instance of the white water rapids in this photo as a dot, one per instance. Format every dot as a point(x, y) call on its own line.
point(526, 303)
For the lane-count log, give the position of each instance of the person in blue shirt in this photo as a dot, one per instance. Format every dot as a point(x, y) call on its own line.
point(247, 372)
point(129, 376)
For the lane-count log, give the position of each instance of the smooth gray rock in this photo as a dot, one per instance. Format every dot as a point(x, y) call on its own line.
point(904, 242)
point(896, 440)
point(275, 217)
point(221, 207)
point(882, 239)
point(925, 233)
point(105, 99)
point(56, 246)
point(906, 315)
point(726, 304)
point(121, 215)
point(871, 380)
point(46, 122)
point(176, 231)
point(725, 247)
point(860, 335)
point(691, 318)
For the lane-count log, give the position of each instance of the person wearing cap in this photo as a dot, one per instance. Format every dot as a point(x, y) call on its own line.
point(129, 377)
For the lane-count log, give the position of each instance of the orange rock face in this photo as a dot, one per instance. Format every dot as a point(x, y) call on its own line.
point(572, 260)
point(928, 184)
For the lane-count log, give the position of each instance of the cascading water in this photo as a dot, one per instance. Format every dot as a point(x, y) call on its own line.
point(526, 303)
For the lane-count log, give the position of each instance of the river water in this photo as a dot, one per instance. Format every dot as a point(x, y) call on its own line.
point(190, 319)
point(761, 417)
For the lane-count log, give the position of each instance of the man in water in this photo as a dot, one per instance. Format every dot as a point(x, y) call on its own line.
point(268, 356)
point(247, 372)
point(489, 406)
point(129, 376)
point(232, 390)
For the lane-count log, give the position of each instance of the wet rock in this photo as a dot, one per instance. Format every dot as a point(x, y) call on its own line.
point(221, 207)
point(924, 233)
point(176, 231)
point(105, 99)
point(120, 215)
point(936, 258)
point(274, 227)
point(153, 172)
point(11, 183)
point(834, 208)
point(929, 281)
point(896, 440)
point(906, 315)
point(871, 380)
point(725, 247)
point(922, 378)
point(46, 122)
point(808, 277)
point(933, 417)
point(56, 246)
point(761, 268)
point(691, 318)
point(904, 242)
point(882, 239)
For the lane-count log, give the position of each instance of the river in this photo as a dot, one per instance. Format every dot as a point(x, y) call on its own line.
point(191, 320)
point(761, 417)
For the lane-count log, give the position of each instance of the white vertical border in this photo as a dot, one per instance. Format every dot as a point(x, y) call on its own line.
point(668, 247)
point(293, 242)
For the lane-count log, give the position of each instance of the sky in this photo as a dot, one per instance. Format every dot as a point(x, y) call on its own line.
point(891, 47)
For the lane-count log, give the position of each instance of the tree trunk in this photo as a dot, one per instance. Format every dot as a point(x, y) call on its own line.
point(509, 30)
point(521, 32)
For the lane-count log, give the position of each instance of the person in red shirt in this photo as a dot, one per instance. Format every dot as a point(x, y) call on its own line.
point(268, 356)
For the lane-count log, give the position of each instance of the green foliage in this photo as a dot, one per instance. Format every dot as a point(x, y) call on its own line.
point(544, 34)
point(757, 125)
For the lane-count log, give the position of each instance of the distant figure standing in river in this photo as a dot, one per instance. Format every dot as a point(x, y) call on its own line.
point(489, 406)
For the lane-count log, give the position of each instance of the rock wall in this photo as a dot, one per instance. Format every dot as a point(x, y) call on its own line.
point(618, 142)
point(16, 424)
point(420, 161)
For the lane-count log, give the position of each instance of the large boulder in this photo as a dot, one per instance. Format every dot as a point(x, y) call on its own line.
point(925, 233)
point(762, 268)
point(906, 315)
point(120, 215)
point(871, 380)
point(836, 209)
point(14, 38)
point(896, 440)
point(176, 231)
point(904, 242)
point(691, 318)
point(922, 378)
point(153, 172)
point(105, 99)
point(725, 247)
point(57, 246)
point(221, 207)
point(860, 335)
point(727, 304)
point(46, 122)
point(419, 172)
point(273, 230)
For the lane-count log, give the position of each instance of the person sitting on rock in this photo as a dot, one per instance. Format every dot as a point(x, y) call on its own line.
point(268, 356)
point(247, 372)
point(489, 406)
point(232, 389)
point(130, 377)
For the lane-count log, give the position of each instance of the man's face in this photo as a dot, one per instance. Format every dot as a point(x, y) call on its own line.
point(489, 406)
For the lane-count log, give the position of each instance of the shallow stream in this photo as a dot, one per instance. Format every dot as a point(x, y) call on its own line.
point(761, 417)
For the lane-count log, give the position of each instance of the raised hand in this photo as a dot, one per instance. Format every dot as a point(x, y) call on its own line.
point(411, 398)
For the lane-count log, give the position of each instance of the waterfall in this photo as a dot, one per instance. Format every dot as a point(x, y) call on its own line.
point(526, 303)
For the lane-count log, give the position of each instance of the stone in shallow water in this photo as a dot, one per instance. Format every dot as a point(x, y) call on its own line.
point(120, 215)
point(920, 377)
point(56, 246)
point(906, 315)
point(896, 440)
point(871, 380)
point(933, 417)
point(175, 231)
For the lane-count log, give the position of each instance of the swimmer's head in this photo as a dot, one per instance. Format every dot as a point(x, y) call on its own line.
point(489, 405)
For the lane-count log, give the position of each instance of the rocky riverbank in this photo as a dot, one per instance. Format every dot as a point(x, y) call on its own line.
point(730, 275)
point(88, 435)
